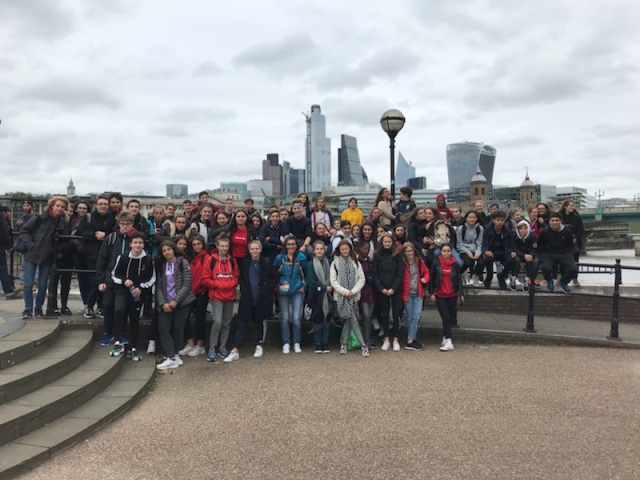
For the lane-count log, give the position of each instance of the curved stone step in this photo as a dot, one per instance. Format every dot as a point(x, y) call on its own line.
point(44, 405)
point(28, 451)
point(29, 341)
point(70, 349)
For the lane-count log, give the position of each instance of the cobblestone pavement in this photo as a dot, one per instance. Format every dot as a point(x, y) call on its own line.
point(479, 412)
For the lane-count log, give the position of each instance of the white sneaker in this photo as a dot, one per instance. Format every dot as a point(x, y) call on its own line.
point(385, 346)
point(167, 364)
point(396, 346)
point(186, 350)
point(232, 357)
point(296, 348)
point(258, 353)
point(151, 349)
point(197, 350)
point(179, 360)
point(444, 340)
point(448, 346)
point(518, 284)
point(286, 349)
point(474, 280)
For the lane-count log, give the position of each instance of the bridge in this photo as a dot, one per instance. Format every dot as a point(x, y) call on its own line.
point(614, 217)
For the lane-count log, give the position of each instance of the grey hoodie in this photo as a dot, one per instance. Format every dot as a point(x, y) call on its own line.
point(470, 238)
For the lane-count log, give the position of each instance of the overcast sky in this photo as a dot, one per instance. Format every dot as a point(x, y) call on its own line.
point(132, 95)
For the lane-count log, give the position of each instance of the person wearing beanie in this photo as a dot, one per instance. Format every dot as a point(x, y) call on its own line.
point(441, 205)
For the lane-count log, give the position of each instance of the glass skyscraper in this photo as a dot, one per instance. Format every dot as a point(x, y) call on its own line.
point(350, 171)
point(404, 171)
point(317, 152)
point(463, 159)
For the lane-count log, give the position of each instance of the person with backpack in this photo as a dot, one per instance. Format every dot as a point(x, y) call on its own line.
point(446, 291)
point(220, 277)
point(199, 258)
point(290, 265)
point(414, 284)
point(347, 280)
point(174, 296)
point(470, 236)
point(320, 213)
point(343, 234)
point(258, 277)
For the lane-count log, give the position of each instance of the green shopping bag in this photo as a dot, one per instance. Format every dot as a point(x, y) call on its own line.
point(352, 342)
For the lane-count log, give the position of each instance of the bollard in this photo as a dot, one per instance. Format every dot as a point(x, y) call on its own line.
point(614, 334)
point(530, 328)
point(51, 281)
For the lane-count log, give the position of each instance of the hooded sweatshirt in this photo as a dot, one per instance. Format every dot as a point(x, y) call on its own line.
point(139, 269)
point(446, 281)
point(222, 279)
point(525, 244)
point(556, 242)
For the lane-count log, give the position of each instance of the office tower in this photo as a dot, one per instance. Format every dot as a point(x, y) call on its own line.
point(272, 170)
point(463, 159)
point(404, 171)
point(241, 187)
point(177, 190)
point(350, 171)
point(317, 151)
point(417, 183)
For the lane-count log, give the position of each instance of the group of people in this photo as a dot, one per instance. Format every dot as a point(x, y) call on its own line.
point(362, 273)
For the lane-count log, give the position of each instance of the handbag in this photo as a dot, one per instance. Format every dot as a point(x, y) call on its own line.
point(352, 341)
point(283, 287)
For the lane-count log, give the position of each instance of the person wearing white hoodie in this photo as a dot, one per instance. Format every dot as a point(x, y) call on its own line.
point(526, 247)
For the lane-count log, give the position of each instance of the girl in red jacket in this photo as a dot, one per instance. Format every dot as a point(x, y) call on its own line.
point(416, 279)
point(446, 291)
point(199, 258)
point(220, 276)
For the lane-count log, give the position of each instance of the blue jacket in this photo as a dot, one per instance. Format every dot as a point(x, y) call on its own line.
point(292, 272)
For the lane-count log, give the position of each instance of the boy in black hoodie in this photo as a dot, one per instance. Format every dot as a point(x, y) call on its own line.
point(555, 243)
point(133, 276)
point(497, 246)
point(527, 251)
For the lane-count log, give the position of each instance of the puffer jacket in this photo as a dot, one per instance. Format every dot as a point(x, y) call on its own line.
point(387, 270)
point(38, 236)
point(222, 279)
point(292, 272)
point(197, 271)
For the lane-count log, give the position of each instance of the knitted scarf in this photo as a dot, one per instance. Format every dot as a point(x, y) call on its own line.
point(347, 278)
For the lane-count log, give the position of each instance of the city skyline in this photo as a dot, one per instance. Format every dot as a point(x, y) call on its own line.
point(552, 86)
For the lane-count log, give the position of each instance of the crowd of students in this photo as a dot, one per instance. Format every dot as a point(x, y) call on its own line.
point(363, 273)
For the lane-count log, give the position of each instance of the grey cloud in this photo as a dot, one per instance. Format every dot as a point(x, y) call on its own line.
point(33, 18)
point(74, 94)
point(607, 130)
point(519, 141)
point(57, 145)
point(290, 55)
point(198, 114)
point(206, 69)
point(171, 131)
point(363, 111)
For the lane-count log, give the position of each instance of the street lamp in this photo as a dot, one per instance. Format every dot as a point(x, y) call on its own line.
point(392, 122)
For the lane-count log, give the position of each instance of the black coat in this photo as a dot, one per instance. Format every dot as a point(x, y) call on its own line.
point(38, 236)
point(88, 227)
point(264, 303)
point(388, 270)
point(6, 241)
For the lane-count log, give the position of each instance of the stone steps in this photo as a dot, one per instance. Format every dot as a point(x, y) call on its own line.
point(57, 388)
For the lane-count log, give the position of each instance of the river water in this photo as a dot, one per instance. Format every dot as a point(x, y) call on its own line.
point(608, 257)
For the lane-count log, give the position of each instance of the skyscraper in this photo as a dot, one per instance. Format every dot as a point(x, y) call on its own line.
point(317, 151)
point(177, 190)
point(350, 171)
point(272, 170)
point(404, 171)
point(463, 159)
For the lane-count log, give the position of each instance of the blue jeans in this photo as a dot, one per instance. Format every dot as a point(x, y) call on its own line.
point(29, 277)
point(413, 306)
point(295, 302)
point(322, 334)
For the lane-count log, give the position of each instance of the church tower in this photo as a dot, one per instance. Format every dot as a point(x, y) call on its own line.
point(528, 196)
point(71, 189)
point(478, 188)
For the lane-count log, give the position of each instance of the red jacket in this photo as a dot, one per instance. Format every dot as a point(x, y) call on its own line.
point(423, 272)
point(223, 279)
point(197, 271)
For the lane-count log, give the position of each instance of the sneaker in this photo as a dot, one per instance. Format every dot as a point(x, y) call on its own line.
point(415, 345)
point(107, 338)
point(259, 352)
point(318, 348)
point(232, 357)
point(187, 349)
point(372, 345)
point(365, 351)
point(197, 351)
point(12, 295)
point(296, 348)
point(151, 348)
point(487, 283)
point(56, 311)
point(38, 313)
point(525, 285)
point(536, 283)
point(117, 350)
point(502, 283)
point(385, 345)
point(222, 351)
point(178, 360)
point(211, 356)
point(474, 280)
point(343, 349)
point(565, 288)
point(396, 346)
point(550, 286)
point(167, 363)
point(576, 283)
point(88, 313)
point(448, 346)
point(66, 311)
point(518, 284)
point(325, 348)
point(512, 284)
point(286, 349)
point(26, 314)
point(134, 355)
point(99, 312)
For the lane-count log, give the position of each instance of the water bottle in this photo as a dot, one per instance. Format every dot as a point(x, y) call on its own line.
point(499, 268)
point(132, 289)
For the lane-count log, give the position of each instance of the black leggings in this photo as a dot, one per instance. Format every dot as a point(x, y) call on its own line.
point(447, 308)
point(384, 302)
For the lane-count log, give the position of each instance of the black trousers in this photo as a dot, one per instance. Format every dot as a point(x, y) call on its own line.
point(531, 268)
point(475, 267)
point(550, 261)
point(200, 310)
point(384, 303)
point(448, 310)
point(125, 307)
point(511, 265)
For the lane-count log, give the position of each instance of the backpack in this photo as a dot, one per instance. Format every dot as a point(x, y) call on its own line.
point(464, 231)
point(231, 260)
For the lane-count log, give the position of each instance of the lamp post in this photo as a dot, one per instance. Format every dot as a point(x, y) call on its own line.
point(392, 122)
